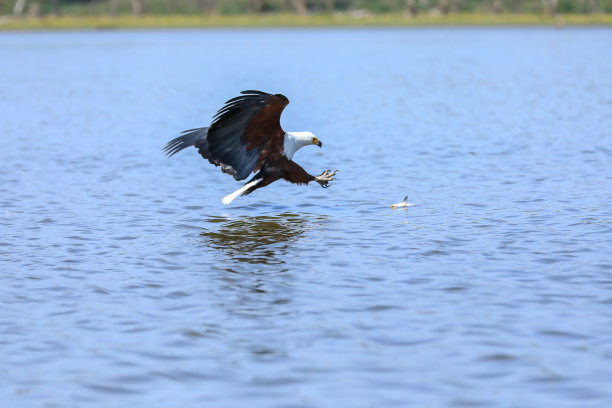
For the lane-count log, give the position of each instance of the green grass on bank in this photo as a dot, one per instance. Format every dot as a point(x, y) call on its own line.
point(293, 20)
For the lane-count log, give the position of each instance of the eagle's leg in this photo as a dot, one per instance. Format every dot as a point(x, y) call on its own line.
point(325, 178)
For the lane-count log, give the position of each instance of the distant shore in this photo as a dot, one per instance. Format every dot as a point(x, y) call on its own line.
point(8, 23)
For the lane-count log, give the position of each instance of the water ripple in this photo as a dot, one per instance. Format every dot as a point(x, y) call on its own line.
point(125, 279)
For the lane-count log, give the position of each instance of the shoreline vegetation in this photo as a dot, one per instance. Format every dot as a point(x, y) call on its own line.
point(147, 14)
point(264, 20)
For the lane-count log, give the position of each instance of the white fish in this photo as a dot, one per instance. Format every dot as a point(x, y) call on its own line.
point(403, 204)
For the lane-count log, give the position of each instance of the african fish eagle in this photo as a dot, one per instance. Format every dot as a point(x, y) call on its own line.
point(246, 136)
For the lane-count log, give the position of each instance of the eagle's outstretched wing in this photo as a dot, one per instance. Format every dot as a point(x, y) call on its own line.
point(244, 132)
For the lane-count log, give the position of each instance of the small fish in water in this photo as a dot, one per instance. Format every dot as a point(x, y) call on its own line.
point(403, 204)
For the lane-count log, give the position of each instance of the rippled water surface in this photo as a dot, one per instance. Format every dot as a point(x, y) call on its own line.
point(124, 281)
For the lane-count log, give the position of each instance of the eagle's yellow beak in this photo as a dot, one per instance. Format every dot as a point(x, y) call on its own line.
point(317, 142)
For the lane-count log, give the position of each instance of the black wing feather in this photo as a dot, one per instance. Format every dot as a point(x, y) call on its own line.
point(224, 143)
point(189, 138)
point(226, 136)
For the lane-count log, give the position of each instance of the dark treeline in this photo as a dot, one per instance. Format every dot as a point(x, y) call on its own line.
point(360, 7)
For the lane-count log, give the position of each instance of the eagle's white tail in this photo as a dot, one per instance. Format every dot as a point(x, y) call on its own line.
point(230, 197)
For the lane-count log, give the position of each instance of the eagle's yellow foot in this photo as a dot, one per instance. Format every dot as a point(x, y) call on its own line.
point(325, 178)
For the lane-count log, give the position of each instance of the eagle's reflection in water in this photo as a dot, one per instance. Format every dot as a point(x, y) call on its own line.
point(264, 239)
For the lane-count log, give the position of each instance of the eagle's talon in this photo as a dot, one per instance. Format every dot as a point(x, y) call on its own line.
point(324, 178)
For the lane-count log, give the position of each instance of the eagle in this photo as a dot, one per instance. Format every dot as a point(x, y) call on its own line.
point(246, 137)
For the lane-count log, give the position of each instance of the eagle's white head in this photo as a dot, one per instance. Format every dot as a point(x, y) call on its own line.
point(296, 140)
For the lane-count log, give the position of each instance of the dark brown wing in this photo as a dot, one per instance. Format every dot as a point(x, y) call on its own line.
point(265, 129)
point(244, 132)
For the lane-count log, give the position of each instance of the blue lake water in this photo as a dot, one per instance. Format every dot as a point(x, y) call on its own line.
point(124, 281)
